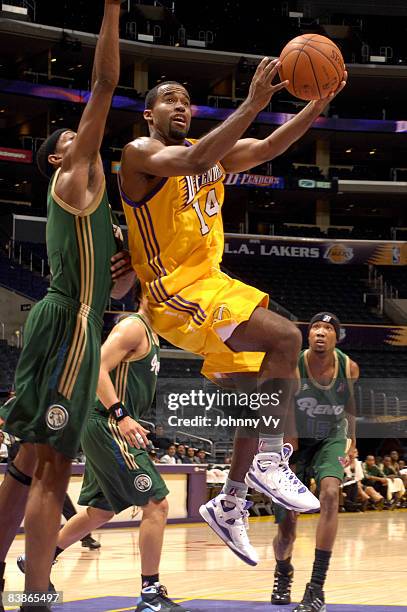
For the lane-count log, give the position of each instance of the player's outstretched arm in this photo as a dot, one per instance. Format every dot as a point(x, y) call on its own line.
point(106, 73)
point(149, 156)
point(83, 154)
point(250, 152)
point(127, 337)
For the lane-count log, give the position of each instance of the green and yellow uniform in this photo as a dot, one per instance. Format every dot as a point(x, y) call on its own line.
point(322, 426)
point(118, 476)
point(58, 369)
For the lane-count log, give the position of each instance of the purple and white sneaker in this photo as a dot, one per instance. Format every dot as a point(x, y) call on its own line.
point(228, 515)
point(271, 475)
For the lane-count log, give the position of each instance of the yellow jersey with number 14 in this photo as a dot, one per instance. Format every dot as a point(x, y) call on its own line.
point(176, 232)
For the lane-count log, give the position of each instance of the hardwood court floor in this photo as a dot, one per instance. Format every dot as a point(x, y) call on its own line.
point(369, 565)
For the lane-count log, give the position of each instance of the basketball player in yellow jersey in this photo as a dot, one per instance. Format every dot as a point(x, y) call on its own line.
point(172, 194)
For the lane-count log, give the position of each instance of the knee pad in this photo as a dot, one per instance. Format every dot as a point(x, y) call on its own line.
point(15, 473)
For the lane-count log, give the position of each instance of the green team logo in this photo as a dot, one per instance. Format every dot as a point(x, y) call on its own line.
point(155, 365)
point(56, 417)
point(143, 483)
point(310, 406)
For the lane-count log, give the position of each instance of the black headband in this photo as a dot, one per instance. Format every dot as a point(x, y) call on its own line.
point(48, 148)
point(327, 317)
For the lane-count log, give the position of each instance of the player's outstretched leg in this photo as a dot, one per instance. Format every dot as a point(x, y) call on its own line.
point(154, 595)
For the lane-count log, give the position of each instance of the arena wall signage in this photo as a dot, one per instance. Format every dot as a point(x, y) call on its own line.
point(78, 96)
point(19, 156)
point(336, 252)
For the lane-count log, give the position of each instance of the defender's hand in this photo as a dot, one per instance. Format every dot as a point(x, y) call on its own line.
point(134, 433)
point(261, 88)
point(121, 264)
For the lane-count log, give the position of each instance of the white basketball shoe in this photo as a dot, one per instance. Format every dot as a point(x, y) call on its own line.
point(270, 474)
point(228, 515)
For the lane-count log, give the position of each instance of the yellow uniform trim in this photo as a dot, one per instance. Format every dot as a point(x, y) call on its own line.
point(81, 351)
point(121, 381)
point(315, 382)
point(92, 262)
point(147, 329)
point(94, 205)
point(122, 444)
point(78, 227)
point(87, 270)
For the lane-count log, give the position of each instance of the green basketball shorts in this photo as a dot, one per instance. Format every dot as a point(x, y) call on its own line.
point(56, 376)
point(117, 476)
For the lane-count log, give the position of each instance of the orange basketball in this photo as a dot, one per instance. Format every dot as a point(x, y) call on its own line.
point(314, 66)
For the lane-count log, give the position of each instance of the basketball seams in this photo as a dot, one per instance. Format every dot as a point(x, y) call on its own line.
point(340, 77)
point(296, 61)
point(313, 72)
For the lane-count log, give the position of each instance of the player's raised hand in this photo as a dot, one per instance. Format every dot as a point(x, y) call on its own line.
point(261, 88)
point(320, 105)
point(134, 433)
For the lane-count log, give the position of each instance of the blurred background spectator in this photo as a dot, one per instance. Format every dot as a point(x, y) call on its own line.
point(159, 439)
point(395, 489)
point(374, 477)
point(181, 454)
point(170, 458)
point(3, 449)
point(200, 456)
point(191, 454)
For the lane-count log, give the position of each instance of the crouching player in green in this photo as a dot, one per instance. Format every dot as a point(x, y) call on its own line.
point(118, 471)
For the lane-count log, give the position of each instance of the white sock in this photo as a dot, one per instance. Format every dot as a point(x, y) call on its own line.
point(271, 444)
point(233, 487)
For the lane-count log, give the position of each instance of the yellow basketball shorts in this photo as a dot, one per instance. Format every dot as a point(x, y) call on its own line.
point(201, 317)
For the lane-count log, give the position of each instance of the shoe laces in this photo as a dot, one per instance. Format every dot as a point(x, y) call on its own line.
point(280, 461)
point(313, 597)
point(282, 582)
point(163, 593)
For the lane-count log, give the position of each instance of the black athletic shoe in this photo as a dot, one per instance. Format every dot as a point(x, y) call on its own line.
point(155, 598)
point(21, 567)
point(313, 600)
point(281, 594)
point(90, 543)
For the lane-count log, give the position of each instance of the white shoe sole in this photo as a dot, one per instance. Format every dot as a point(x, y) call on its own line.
point(204, 512)
point(259, 487)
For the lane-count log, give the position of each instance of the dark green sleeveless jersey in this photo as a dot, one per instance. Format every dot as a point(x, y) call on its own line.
point(80, 245)
point(135, 380)
point(320, 410)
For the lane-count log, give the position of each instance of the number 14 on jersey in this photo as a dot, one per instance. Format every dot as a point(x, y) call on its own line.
point(211, 209)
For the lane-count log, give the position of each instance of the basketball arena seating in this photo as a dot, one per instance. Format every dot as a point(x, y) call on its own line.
point(20, 279)
point(8, 361)
point(305, 288)
point(396, 277)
